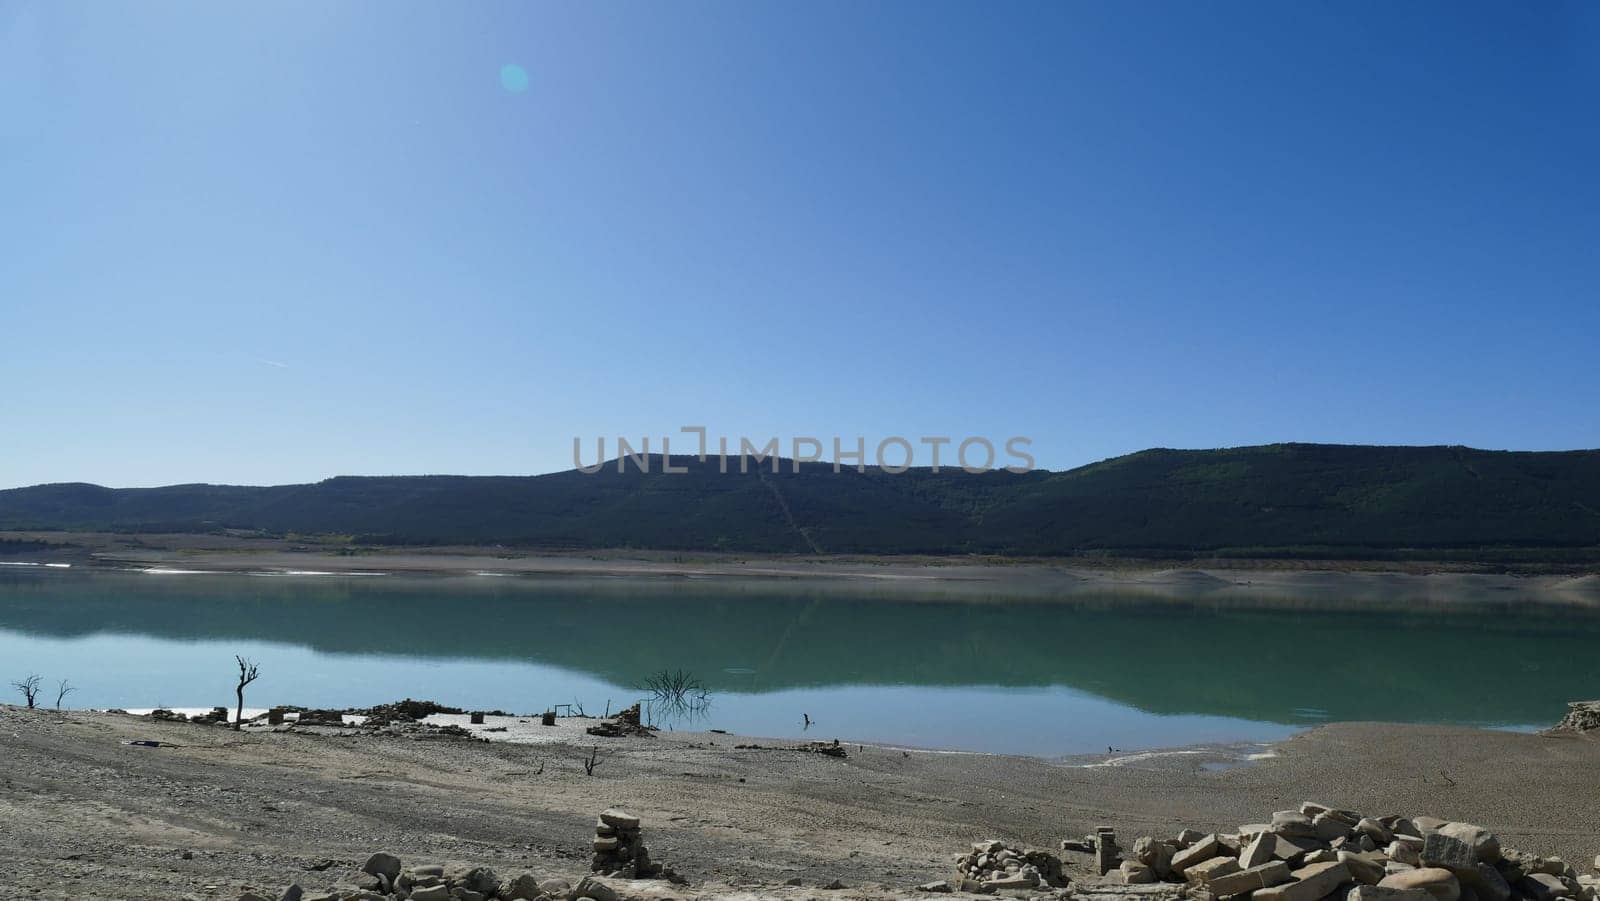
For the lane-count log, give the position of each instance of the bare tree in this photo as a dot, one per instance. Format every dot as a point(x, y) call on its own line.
point(248, 672)
point(592, 761)
point(63, 688)
point(29, 688)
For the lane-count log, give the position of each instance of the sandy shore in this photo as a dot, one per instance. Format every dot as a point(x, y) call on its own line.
point(88, 816)
point(1243, 583)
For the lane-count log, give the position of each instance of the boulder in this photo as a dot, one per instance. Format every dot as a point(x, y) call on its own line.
point(1202, 850)
point(1404, 853)
point(430, 893)
point(1206, 870)
point(1310, 883)
point(481, 880)
point(1543, 887)
point(1483, 842)
point(1441, 850)
point(382, 864)
point(1135, 873)
point(1487, 883)
point(522, 888)
point(1272, 873)
point(292, 893)
point(1380, 833)
point(1426, 825)
point(1259, 851)
point(1329, 827)
point(1365, 870)
point(939, 887)
point(1293, 823)
point(1439, 882)
point(1156, 855)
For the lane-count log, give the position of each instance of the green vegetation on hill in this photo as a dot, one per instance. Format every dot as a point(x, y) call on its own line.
point(1275, 500)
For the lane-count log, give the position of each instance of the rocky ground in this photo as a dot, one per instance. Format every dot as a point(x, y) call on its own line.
point(202, 811)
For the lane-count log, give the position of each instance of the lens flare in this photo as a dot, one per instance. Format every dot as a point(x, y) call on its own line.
point(513, 78)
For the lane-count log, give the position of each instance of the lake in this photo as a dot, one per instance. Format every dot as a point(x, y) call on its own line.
point(915, 666)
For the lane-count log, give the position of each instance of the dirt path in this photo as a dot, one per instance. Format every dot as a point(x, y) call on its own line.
point(86, 816)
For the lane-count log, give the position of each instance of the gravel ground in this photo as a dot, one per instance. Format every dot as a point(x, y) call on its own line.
point(212, 811)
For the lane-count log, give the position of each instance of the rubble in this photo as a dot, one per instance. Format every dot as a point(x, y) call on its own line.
point(1322, 853)
point(1583, 716)
point(994, 865)
point(625, 723)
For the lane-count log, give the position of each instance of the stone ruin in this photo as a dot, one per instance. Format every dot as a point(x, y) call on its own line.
point(619, 850)
point(626, 722)
point(1322, 852)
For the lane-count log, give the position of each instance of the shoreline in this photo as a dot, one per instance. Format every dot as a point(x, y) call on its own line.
point(1333, 584)
point(209, 806)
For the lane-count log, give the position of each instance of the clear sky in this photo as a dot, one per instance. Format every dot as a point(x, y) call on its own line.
point(275, 242)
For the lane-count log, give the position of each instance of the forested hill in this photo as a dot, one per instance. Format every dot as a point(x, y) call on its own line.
point(1276, 499)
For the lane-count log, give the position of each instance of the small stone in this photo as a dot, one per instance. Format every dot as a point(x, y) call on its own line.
point(940, 886)
point(430, 893)
point(381, 864)
point(835, 885)
point(1189, 836)
point(619, 819)
point(793, 880)
point(555, 887)
point(292, 893)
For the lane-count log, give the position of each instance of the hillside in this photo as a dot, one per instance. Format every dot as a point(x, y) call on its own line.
point(1287, 499)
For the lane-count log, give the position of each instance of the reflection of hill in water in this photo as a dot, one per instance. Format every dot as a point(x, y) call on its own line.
point(1436, 664)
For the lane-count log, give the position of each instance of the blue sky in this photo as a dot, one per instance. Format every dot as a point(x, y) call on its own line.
point(278, 242)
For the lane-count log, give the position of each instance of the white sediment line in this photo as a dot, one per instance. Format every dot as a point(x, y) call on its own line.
point(312, 572)
point(167, 571)
point(45, 565)
point(1142, 757)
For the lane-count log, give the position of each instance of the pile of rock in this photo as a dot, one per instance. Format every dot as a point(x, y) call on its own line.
point(383, 878)
point(1584, 716)
point(619, 850)
point(1319, 852)
point(994, 865)
point(627, 722)
point(217, 715)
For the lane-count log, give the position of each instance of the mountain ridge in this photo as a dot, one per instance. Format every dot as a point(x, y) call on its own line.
point(1274, 499)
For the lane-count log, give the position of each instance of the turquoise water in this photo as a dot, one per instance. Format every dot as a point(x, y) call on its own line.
point(978, 673)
